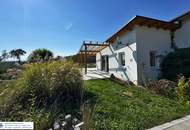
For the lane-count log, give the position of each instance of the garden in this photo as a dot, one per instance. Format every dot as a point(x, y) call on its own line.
point(115, 106)
point(46, 89)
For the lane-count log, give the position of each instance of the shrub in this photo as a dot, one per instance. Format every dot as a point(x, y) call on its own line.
point(4, 66)
point(44, 90)
point(40, 55)
point(183, 89)
point(176, 63)
point(51, 82)
point(10, 74)
point(163, 87)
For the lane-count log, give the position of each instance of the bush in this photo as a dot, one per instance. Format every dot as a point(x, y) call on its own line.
point(44, 90)
point(39, 55)
point(163, 87)
point(176, 63)
point(183, 89)
point(4, 66)
point(51, 82)
point(10, 74)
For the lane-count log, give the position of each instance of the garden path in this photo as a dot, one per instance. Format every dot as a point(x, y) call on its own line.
point(179, 124)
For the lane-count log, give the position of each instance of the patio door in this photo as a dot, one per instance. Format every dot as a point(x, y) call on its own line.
point(102, 63)
point(105, 63)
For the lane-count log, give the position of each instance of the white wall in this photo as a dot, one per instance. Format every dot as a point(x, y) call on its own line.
point(182, 35)
point(150, 39)
point(129, 71)
point(143, 40)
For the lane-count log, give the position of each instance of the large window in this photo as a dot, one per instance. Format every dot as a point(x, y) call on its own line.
point(122, 58)
point(152, 58)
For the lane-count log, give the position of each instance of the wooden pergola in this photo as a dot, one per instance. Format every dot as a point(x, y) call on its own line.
point(90, 48)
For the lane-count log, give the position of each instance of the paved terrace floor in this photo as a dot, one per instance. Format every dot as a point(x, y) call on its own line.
point(93, 73)
point(179, 124)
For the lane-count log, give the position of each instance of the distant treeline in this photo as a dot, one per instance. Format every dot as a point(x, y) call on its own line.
point(77, 58)
point(8, 65)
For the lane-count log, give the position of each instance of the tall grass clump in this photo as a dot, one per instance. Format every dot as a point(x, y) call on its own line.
point(183, 90)
point(44, 92)
point(49, 83)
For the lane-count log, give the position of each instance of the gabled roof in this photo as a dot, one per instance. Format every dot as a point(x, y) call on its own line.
point(92, 48)
point(144, 21)
point(184, 15)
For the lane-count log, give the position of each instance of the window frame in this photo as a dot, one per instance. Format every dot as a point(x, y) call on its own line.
point(122, 58)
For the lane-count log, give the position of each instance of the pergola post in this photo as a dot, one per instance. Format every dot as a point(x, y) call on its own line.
point(85, 59)
point(80, 59)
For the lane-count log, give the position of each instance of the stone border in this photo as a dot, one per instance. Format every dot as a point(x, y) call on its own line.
point(170, 124)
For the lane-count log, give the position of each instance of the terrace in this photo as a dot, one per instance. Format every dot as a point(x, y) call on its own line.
point(89, 48)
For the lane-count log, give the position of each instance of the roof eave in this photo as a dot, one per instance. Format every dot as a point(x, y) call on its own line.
point(143, 21)
point(180, 16)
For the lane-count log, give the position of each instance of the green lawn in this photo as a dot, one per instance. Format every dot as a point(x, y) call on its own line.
point(117, 107)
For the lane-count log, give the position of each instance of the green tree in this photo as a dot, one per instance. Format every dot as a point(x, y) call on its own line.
point(40, 55)
point(17, 53)
point(4, 55)
point(176, 63)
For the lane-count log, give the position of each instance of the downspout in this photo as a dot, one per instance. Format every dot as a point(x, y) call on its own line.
point(172, 37)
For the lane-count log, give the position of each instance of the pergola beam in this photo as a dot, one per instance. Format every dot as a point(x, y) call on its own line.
point(90, 44)
point(89, 51)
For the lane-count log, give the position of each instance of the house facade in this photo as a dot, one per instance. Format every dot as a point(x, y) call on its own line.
point(137, 49)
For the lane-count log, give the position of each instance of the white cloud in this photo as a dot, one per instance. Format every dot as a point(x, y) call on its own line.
point(68, 26)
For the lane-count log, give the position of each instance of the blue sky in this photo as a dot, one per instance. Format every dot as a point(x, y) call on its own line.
point(62, 25)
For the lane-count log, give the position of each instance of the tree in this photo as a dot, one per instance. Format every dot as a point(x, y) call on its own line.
point(40, 55)
point(17, 53)
point(176, 63)
point(4, 55)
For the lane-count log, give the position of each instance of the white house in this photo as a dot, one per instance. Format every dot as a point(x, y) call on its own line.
point(137, 49)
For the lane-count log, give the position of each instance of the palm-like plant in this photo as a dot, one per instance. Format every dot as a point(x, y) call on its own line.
point(39, 55)
point(17, 53)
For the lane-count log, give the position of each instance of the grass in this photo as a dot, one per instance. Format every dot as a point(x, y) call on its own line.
point(6, 91)
point(120, 107)
point(116, 107)
point(92, 65)
point(3, 86)
point(42, 93)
